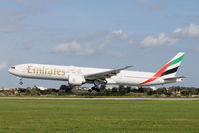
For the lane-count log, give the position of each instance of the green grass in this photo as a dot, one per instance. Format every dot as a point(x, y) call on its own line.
point(98, 116)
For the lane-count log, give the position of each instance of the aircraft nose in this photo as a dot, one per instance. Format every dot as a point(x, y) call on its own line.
point(10, 70)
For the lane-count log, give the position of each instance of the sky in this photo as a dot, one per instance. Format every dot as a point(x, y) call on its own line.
point(104, 34)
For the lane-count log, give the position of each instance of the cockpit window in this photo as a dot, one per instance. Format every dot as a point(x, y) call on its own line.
point(13, 67)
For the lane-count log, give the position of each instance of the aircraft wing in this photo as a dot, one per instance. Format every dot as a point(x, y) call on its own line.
point(105, 74)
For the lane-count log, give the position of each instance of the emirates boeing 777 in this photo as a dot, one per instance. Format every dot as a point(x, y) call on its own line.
point(76, 76)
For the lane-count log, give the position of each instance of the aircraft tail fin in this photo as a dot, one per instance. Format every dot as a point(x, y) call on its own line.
point(173, 65)
point(170, 69)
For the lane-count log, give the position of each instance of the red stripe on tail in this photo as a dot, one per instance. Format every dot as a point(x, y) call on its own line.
point(158, 74)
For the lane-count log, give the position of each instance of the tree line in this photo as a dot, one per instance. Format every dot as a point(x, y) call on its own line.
point(174, 91)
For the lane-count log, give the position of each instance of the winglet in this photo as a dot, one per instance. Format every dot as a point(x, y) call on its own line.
point(128, 67)
point(123, 68)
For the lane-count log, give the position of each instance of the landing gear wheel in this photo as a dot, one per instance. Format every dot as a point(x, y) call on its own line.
point(96, 89)
point(21, 83)
point(93, 88)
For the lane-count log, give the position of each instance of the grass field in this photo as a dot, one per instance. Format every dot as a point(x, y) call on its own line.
point(98, 116)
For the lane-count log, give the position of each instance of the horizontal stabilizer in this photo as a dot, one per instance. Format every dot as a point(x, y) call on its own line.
point(173, 78)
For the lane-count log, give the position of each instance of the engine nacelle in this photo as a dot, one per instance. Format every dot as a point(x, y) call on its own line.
point(76, 80)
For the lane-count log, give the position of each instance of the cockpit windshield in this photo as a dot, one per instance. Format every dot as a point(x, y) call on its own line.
point(13, 67)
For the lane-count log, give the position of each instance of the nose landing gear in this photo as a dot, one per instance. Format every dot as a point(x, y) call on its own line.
point(20, 81)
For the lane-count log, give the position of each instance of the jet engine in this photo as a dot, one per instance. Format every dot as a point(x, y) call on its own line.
point(76, 80)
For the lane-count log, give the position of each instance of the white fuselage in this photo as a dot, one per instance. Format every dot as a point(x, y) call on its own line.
point(54, 72)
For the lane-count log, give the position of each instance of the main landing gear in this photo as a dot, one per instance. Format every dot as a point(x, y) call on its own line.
point(98, 86)
point(95, 89)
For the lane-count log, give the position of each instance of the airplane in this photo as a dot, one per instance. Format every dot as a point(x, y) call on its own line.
point(77, 76)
